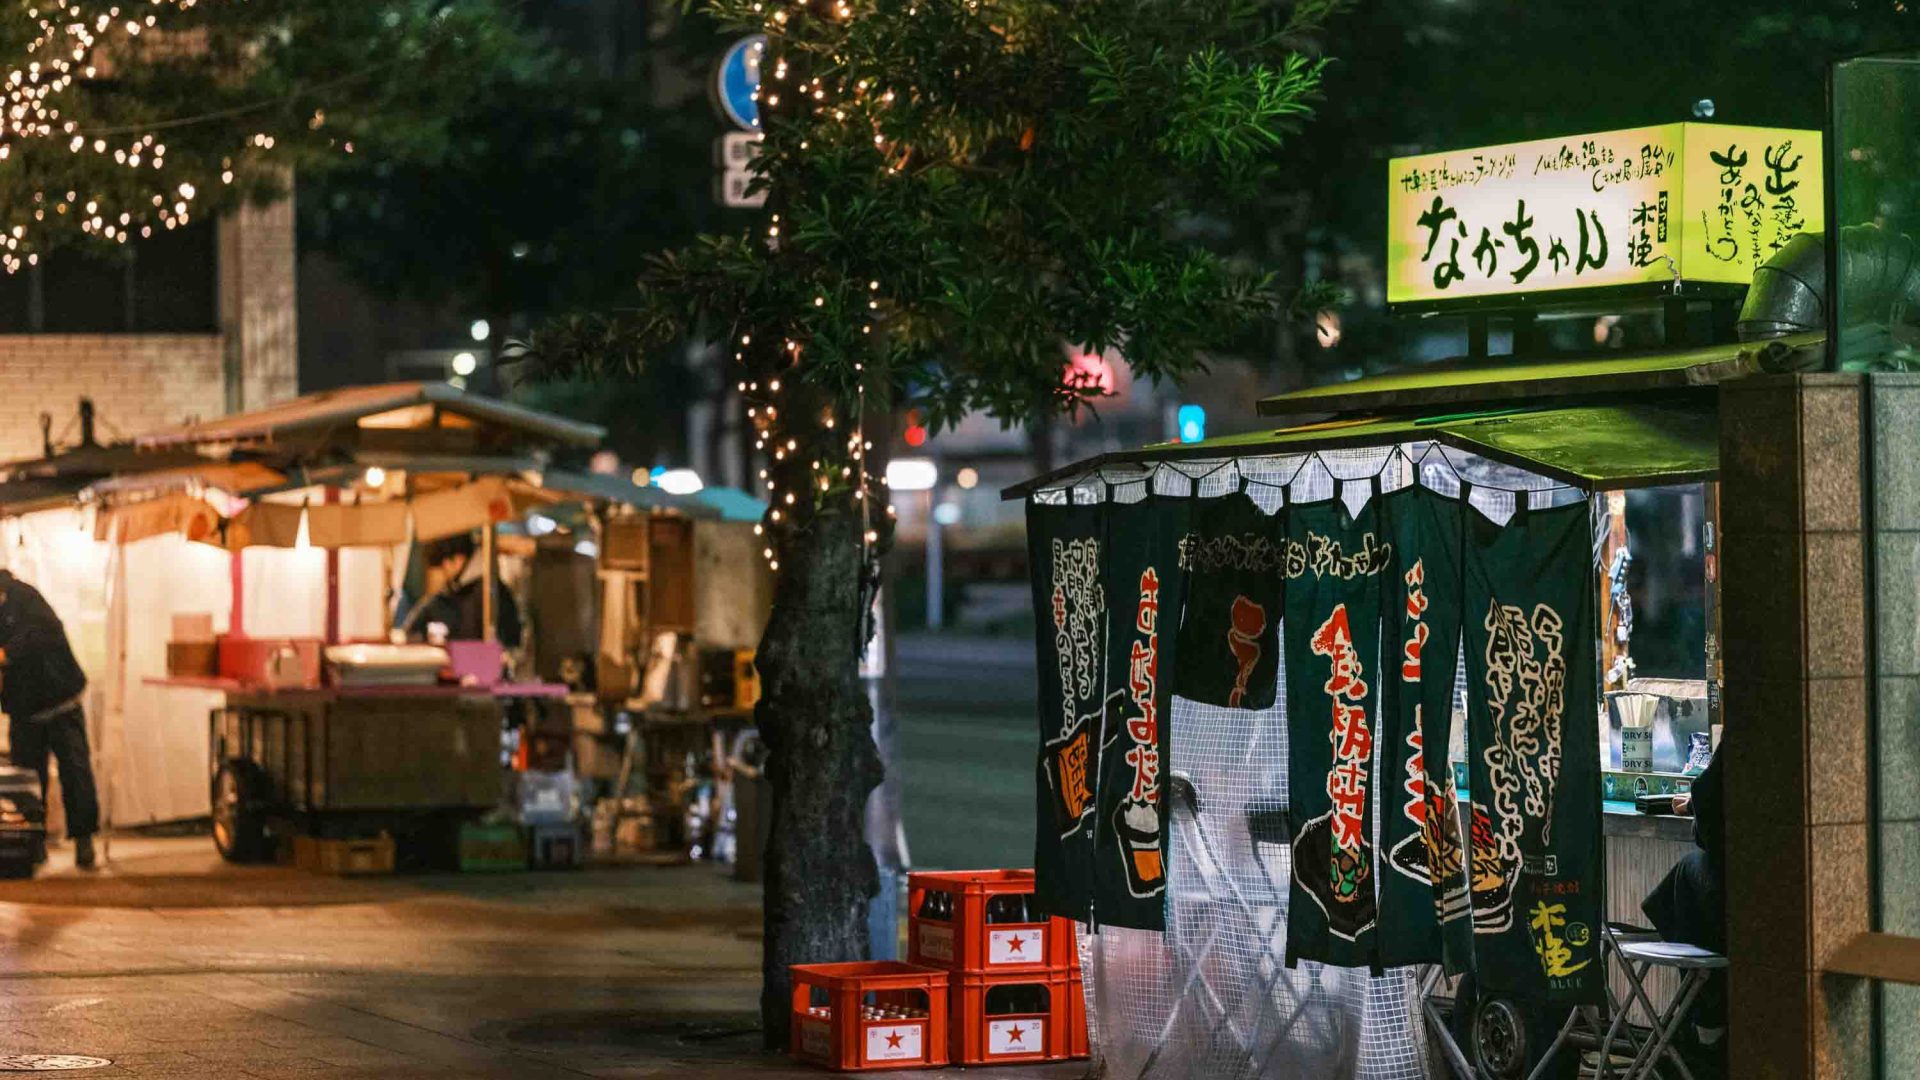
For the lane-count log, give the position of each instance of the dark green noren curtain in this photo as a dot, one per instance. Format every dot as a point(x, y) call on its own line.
point(1229, 637)
point(1145, 592)
point(1336, 566)
point(1535, 856)
point(1423, 886)
point(1066, 555)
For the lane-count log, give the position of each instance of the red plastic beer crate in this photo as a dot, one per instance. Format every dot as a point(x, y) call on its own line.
point(874, 1015)
point(997, 1019)
point(968, 942)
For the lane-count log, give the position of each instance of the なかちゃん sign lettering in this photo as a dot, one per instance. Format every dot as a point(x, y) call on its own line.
point(1649, 206)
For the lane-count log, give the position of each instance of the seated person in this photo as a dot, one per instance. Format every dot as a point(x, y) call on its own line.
point(1689, 907)
point(457, 601)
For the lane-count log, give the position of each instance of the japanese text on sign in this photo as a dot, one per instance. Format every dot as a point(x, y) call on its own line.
point(1678, 202)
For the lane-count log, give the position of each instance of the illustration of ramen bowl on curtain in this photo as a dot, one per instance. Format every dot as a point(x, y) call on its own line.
point(1494, 876)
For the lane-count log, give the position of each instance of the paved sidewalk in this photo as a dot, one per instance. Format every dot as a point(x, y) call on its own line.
point(635, 972)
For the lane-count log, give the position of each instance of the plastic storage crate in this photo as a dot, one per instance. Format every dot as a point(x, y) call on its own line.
point(492, 848)
point(556, 847)
point(948, 926)
point(351, 858)
point(999, 1019)
point(880, 1014)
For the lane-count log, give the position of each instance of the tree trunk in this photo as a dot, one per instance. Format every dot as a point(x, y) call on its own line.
point(815, 720)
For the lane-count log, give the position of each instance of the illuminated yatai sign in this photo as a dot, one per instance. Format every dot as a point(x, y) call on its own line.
point(1648, 206)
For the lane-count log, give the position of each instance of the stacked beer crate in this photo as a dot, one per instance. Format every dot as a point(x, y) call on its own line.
point(1013, 975)
point(879, 1014)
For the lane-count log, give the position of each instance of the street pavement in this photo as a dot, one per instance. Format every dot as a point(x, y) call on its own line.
point(966, 742)
point(172, 964)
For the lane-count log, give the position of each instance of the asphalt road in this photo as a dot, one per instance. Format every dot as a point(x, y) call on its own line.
point(964, 710)
point(170, 964)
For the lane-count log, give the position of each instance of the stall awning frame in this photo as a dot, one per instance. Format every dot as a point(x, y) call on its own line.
point(1646, 442)
point(1462, 385)
point(1596, 423)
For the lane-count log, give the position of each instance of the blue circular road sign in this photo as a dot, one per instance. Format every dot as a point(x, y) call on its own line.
point(737, 79)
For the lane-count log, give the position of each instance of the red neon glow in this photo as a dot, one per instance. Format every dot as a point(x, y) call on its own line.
point(1089, 372)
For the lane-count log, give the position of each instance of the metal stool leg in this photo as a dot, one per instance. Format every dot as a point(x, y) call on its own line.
point(1559, 1043)
point(1665, 1028)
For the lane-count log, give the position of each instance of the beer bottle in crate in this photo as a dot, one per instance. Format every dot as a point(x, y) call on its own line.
point(1024, 1000)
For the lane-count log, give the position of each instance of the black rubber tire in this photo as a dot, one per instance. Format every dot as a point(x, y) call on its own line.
point(239, 825)
point(1500, 1047)
point(1509, 1037)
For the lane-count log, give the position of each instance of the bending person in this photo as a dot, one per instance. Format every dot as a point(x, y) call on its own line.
point(41, 696)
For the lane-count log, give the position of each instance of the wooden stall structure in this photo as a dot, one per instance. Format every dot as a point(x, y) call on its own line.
point(240, 555)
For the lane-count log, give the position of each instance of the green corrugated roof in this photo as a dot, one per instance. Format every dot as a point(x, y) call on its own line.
point(1673, 438)
point(1489, 384)
point(1602, 446)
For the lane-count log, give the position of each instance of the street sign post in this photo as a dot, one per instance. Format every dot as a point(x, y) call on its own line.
point(733, 153)
point(736, 82)
point(736, 93)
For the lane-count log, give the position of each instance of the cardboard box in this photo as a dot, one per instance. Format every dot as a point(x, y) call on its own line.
point(193, 659)
point(350, 858)
point(193, 626)
point(623, 545)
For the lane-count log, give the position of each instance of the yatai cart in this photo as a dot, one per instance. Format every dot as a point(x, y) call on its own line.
point(255, 566)
point(1327, 710)
point(349, 762)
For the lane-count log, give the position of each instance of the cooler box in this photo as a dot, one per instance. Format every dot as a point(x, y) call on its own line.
point(23, 822)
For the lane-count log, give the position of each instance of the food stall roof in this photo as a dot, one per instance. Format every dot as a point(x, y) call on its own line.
point(322, 439)
point(1486, 384)
point(1642, 442)
point(1618, 421)
point(732, 504)
point(314, 413)
point(619, 489)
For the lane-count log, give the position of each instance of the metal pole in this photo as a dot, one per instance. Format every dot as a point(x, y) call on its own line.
point(332, 498)
point(936, 607)
point(489, 574)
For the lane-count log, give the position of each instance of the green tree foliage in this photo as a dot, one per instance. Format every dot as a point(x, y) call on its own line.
point(958, 189)
point(969, 185)
point(127, 119)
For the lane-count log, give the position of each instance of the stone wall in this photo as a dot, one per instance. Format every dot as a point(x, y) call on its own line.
point(1796, 746)
point(137, 382)
point(258, 306)
point(140, 382)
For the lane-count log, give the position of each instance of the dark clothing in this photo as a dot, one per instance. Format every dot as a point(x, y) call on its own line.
point(1710, 816)
point(41, 673)
point(63, 737)
point(461, 609)
point(1689, 906)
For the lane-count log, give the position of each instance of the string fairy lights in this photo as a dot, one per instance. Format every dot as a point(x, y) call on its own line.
point(68, 45)
point(812, 429)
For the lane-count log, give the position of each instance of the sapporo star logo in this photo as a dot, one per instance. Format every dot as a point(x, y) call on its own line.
point(1013, 1035)
point(1017, 945)
point(893, 1040)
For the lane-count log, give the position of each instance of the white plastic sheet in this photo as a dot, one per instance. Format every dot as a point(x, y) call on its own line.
point(150, 742)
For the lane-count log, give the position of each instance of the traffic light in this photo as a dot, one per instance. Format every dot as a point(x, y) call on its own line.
point(1192, 421)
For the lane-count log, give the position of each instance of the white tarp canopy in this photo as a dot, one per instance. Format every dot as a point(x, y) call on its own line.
point(118, 601)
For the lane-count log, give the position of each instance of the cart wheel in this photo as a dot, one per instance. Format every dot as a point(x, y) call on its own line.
point(1499, 1039)
point(239, 830)
point(16, 869)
